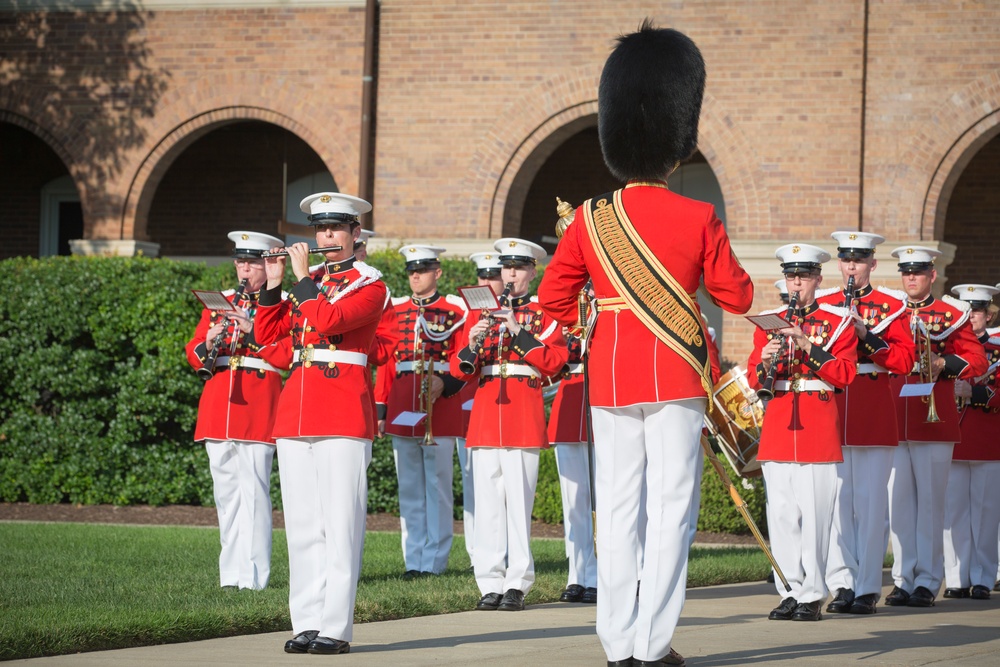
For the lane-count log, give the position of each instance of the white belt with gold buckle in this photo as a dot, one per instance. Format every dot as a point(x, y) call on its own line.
point(506, 370)
point(418, 367)
point(864, 369)
point(310, 355)
point(802, 385)
point(241, 361)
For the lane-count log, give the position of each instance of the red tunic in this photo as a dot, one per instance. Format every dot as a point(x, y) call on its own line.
point(509, 411)
point(947, 321)
point(628, 364)
point(868, 405)
point(427, 330)
point(568, 418)
point(238, 403)
point(804, 426)
point(335, 311)
point(980, 420)
point(386, 340)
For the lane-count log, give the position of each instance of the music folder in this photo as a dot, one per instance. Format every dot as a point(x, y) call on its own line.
point(770, 322)
point(481, 297)
point(215, 301)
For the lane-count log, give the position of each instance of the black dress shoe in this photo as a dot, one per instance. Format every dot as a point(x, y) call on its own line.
point(783, 612)
point(573, 593)
point(808, 611)
point(996, 586)
point(328, 646)
point(411, 574)
point(921, 597)
point(897, 598)
point(956, 593)
point(489, 602)
point(673, 659)
point(842, 602)
point(513, 600)
point(980, 593)
point(864, 604)
point(627, 662)
point(300, 642)
point(589, 596)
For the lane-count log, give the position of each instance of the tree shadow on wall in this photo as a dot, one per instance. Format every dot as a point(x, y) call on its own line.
point(81, 71)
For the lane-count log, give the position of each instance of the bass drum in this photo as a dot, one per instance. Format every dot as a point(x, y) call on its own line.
point(738, 417)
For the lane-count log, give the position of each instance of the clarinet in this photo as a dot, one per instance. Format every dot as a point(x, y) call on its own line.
point(766, 391)
point(469, 367)
point(849, 293)
point(208, 369)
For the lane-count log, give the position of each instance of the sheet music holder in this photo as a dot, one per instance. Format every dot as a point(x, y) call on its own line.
point(770, 322)
point(481, 297)
point(215, 301)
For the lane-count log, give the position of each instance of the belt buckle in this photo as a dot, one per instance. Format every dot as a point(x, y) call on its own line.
point(418, 366)
point(503, 368)
point(307, 357)
point(235, 361)
point(798, 385)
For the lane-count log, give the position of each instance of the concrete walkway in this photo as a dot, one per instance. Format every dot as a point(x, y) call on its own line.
point(721, 626)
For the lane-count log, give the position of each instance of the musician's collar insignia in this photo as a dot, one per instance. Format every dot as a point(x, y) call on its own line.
point(519, 301)
point(340, 266)
point(808, 310)
point(863, 291)
point(426, 301)
point(920, 304)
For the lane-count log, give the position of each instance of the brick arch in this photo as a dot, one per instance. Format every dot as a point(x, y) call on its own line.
point(531, 126)
point(936, 155)
point(50, 139)
point(214, 101)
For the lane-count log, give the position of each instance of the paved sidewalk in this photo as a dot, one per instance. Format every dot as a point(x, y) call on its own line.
point(721, 626)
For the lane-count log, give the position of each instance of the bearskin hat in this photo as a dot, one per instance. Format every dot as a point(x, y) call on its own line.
point(649, 101)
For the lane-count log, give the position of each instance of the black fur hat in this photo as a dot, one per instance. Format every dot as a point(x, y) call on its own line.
point(649, 102)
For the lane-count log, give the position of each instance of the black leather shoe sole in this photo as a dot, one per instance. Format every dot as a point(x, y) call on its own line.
point(300, 642)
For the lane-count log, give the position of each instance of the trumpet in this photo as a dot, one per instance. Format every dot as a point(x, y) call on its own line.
point(766, 391)
point(923, 341)
point(469, 367)
point(312, 251)
point(208, 368)
point(427, 402)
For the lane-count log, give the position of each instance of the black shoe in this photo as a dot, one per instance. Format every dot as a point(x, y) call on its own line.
point(589, 596)
point(980, 593)
point(956, 593)
point(489, 602)
point(996, 586)
point(300, 642)
point(864, 604)
point(770, 577)
point(783, 612)
point(922, 597)
point(627, 662)
point(327, 646)
point(842, 602)
point(808, 611)
point(513, 600)
point(573, 593)
point(412, 574)
point(673, 659)
point(897, 598)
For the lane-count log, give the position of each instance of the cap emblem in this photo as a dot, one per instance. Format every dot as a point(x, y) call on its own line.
point(512, 244)
point(325, 199)
point(412, 250)
point(795, 249)
point(853, 237)
point(909, 251)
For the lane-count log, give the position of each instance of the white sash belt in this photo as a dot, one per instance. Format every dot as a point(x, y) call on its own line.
point(864, 369)
point(802, 385)
point(240, 361)
point(310, 355)
point(508, 369)
point(418, 367)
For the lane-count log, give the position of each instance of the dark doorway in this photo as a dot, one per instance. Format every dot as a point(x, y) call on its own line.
point(70, 224)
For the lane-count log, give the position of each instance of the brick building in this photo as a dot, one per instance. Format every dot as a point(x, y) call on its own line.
point(159, 125)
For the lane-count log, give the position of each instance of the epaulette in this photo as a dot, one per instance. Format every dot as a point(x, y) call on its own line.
point(399, 300)
point(316, 267)
point(456, 301)
point(957, 303)
point(774, 311)
point(533, 299)
point(898, 295)
point(828, 291)
point(846, 320)
point(229, 292)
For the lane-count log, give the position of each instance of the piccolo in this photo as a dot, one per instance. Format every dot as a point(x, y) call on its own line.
point(312, 251)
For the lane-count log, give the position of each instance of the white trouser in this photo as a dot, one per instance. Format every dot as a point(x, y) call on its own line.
point(857, 538)
point(972, 516)
point(917, 487)
point(426, 501)
point(241, 482)
point(573, 463)
point(468, 494)
point(800, 499)
point(505, 495)
point(324, 489)
point(661, 442)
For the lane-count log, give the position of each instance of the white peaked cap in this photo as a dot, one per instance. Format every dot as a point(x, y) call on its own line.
point(973, 293)
point(781, 286)
point(915, 255)
point(519, 250)
point(252, 244)
point(486, 261)
point(421, 254)
point(333, 206)
point(801, 256)
point(862, 243)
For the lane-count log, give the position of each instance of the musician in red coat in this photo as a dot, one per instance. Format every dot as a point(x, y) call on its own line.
point(325, 422)
point(646, 250)
point(236, 415)
point(972, 505)
point(419, 381)
point(867, 426)
point(519, 349)
point(920, 465)
point(800, 439)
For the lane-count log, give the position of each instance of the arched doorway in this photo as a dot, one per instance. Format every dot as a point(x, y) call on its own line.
point(241, 175)
point(41, 205)
point(971, 218)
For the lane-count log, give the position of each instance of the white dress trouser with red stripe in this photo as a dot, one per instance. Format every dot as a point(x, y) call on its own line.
point(800, 499)
point(573, 462)
point(661, 442)
point(468, 494)
point(426, 501)
point(241, 483)
point(505, 481)
point(917, 489)
point(324, 489)
point(857, 537)
point(971, 520)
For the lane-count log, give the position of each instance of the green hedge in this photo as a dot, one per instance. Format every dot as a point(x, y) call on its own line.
point(99, 404)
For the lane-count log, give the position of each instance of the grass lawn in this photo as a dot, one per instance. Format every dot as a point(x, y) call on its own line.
point(66, 588)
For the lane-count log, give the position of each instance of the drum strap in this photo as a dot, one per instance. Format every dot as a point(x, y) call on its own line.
point(652, 294)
